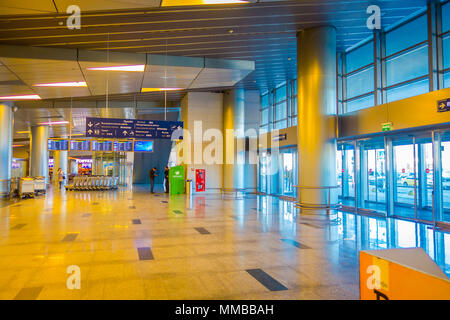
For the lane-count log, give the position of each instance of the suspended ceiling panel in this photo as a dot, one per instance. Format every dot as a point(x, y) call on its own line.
point(35, 65)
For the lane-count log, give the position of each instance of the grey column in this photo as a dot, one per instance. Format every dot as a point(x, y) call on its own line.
point(39, 152)
point(6, 137)
point(316, 62)
point(233, 118)
point(59, 161)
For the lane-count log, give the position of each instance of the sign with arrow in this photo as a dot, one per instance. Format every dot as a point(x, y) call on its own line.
point(444, 105)
point(133, 128)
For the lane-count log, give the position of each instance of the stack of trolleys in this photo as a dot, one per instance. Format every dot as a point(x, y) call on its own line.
point(39, 185)
point(26, 187)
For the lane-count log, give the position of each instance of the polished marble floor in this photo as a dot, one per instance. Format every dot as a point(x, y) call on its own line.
point(129, 244)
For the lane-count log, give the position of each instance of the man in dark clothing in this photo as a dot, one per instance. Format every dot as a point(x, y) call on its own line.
point(152, 175)
point(166, 178)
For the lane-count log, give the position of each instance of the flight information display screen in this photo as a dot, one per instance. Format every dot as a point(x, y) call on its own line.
point(80, 145)
point(126, 146)
point(102, 145)
point(143, 146)
point(58, 145)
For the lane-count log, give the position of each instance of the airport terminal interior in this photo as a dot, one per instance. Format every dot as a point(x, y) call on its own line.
point(224, 149)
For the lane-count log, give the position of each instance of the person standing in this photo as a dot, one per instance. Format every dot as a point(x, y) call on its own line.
point(166, 178)
point(152, 176)
point(60, 177)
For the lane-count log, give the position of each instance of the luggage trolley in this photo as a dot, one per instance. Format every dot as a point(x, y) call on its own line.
point(26, 187)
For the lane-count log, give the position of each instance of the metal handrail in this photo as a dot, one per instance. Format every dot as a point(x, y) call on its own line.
point(327, 206)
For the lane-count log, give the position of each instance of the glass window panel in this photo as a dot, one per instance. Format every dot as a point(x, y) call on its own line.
point(359, 57)
point(361, 103)
point(294, 87)
point(280, 93)
point(446, 51)
point(265, 116)
point(280, 111)
point(280, 124)
point(445, 15)
point(360, 83)
point(447, 80)
point(294, 105)
point(407, 66)
point(409, 90)
point(294, 121)
point(407, 35)
point(265, 101)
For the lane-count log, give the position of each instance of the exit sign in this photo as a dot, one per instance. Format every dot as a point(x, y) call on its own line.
point(386, 126)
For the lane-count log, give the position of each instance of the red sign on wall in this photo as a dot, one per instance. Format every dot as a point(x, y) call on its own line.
point(427, 170)
point(200, 180)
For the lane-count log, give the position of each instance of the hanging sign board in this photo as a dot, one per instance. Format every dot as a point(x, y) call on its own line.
point(132, 128)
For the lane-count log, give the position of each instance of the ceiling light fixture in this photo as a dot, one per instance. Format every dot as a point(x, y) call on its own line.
point(21, 97)
point(50, 123)
point(172, 3)
point(18, 145)
point(21, 132)
point(62, 84)
point(133, 68)
point(160, 89)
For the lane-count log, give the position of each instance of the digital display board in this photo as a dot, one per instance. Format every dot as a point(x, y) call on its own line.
point(80, 145)
point(143, 146)
point(126, 146)
point(102, 145)
point(58, 145)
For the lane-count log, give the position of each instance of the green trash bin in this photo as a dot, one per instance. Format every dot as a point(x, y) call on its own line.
point(176, 180)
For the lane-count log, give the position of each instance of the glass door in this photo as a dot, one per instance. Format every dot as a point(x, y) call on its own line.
point(404, 178)
point(288, 165)
point(263, 172)
point(445, 176)
point(373, 177)
point(348, 175)
point(424, 176)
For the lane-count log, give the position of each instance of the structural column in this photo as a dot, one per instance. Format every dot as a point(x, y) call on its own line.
point(316, 63)
point(233, 139)
point(59, 162)
point(39, 152)
point(6, 136)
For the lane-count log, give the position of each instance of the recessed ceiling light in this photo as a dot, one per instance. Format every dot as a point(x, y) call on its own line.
point(50, 123)
point(135, 68)
point(21, 97)
point(62, 84)
point(17, 145)
point(160, 89)
point(169, 3)
point(21, 132)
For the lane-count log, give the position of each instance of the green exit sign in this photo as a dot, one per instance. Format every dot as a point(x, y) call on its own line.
point(386, 126)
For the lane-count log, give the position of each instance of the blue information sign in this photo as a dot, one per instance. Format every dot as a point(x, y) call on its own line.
point(444, 105)
point(131, 128)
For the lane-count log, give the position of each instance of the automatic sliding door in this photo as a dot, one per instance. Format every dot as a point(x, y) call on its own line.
point(372, 176)
point(348, 175)
point(445, 171)
point(424, 176)
point(404, 178)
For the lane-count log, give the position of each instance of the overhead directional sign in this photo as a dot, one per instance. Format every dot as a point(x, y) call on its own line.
point(444, 105)
point(132, 128)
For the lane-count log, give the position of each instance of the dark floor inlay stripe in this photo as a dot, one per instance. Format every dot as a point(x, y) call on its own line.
point(136, 221)
point(28, 293)
point(145, 253)
point(266, 280)
point(202, 230)
point(311, 225)
point(295, 243)
point(94, 203)
point(70, 237)
point(177, 211)
point(86, 215)
point(132, 207)
point(164, 201)
point(18, 226)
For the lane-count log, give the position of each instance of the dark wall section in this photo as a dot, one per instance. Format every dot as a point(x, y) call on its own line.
point(143, 162)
